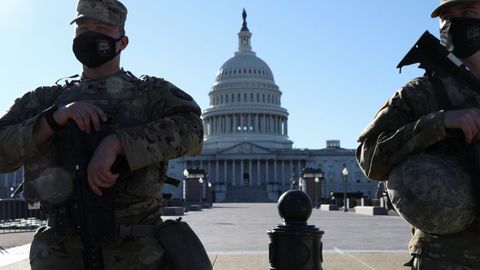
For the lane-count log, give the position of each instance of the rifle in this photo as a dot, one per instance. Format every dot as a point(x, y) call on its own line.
point(434, 58)
point(92, 216)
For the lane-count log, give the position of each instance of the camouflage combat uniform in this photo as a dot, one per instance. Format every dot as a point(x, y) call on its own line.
point(155, 122)
point(412, 121)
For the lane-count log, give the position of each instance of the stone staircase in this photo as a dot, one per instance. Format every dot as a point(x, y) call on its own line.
point(246, 194)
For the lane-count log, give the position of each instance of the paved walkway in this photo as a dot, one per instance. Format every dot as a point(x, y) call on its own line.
point(235, 238)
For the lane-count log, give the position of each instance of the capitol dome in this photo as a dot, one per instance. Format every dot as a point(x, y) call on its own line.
point(244, 65)
point(245, 102)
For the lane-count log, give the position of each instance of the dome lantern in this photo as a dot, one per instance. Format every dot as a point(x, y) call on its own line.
point(244, 37)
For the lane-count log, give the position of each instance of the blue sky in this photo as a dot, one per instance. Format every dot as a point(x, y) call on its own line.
point(334, 61)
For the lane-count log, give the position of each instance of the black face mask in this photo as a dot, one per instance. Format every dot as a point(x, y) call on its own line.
point(94, 49)
point(461, 36)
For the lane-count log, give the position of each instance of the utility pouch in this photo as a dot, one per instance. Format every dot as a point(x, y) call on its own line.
point(183, 248)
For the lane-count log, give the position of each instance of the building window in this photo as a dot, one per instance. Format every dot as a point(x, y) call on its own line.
point(251, 97)
point(258, 97)
point(244, 97)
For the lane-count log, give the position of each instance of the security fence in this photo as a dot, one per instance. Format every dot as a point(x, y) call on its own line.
point(18, 216)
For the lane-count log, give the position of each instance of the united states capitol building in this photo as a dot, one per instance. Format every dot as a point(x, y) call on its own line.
point(246, 145)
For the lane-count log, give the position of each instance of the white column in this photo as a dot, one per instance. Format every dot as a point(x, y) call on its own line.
point(214, 128)
point(275, 171)
point(234, 123)
point(225, 175)
point(250, 175)
point(217, 171)
point(258, 172)
point(266, 171)
point(257, 124)
point(241, 173)
point(265, 120)
point(283, 173)
point(274, 124)
point(279, 125)
point(286, 126)
point(291, 169)
point(234, 183)
point(220, 124)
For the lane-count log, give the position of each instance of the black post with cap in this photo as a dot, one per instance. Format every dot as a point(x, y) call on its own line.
point(295, 244)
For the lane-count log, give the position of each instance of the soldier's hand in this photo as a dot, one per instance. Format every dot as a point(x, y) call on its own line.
point(99, 168)
point(85, 115)
point(467, 120)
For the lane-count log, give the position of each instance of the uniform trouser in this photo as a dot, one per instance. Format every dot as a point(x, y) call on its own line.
point(458, 251)
point(52, 251)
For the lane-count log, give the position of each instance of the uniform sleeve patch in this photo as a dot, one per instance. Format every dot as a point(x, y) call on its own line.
point(180, 94)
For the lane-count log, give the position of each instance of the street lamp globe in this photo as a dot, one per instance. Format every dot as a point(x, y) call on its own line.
point(200, 180)
point(317, 179)
point(345, 171)
point(209, 184)
point(185, 173)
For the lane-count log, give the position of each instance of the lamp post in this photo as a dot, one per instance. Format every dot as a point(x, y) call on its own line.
point(316, 191)
point(345, 174)
point(292, 181)
point(185, 173)
point(209, 193)
point(200, 180)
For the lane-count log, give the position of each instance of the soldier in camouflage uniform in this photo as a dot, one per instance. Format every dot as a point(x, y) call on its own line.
point(416, 121)
point(152, 121)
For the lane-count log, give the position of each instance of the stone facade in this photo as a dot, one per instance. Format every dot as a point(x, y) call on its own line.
point(246, 137)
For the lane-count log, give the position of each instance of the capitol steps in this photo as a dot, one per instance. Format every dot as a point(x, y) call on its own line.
point(246, 194)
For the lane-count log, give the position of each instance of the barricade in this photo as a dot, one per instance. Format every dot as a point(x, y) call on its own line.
point(15, 216)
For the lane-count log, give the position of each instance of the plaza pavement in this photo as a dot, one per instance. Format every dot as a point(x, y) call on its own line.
point(235, 237)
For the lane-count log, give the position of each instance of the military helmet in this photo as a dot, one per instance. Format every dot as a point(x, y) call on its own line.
point(109, 11)
point(432, 192)
point(446, 3)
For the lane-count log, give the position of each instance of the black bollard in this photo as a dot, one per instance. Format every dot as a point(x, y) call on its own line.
point(295, 245)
